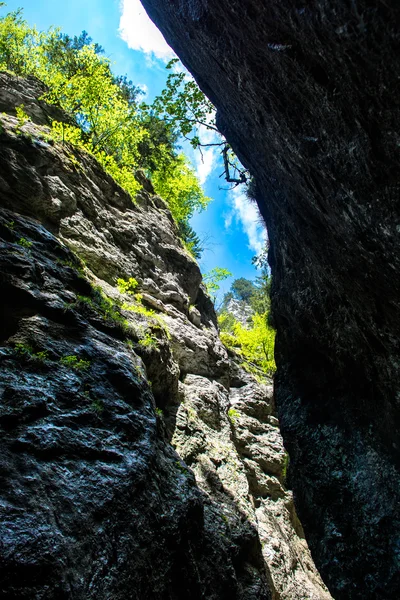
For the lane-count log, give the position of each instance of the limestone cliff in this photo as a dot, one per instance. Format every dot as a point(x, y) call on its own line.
point(138, 460)
point(308, 96)
point(240, 310)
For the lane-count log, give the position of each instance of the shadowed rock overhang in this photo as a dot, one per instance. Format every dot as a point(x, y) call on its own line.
point(308, 96)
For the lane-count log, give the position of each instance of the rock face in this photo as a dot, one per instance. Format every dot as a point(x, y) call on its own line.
point(231, 441)
point(307, 95)
point(240, 310)
point(138, 460)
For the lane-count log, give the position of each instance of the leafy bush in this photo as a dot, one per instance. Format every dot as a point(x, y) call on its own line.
point(127, 287)
point(254, 344)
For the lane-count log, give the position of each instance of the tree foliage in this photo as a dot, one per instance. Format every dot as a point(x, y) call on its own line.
point(106, 118)
point(255, 294)
point(213, 278)
point(183, 105)
point(177, 183)
point(190, 239)
point(260, 301)
point(253, 341)
point(242, 289)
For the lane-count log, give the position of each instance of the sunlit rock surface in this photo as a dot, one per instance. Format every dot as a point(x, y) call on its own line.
point(307, 95)
point(138, 460)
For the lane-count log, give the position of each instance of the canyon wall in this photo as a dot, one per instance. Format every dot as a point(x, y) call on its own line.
point(307, 94)
point(138, 460)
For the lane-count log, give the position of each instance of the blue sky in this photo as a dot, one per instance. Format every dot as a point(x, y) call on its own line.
point(230, 225)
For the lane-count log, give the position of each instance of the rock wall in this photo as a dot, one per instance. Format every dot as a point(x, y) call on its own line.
point(307, 95)
point(138, 460)
point(240, 310)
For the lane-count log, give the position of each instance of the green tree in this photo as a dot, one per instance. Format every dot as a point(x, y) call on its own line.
point(243, 289)
point(255, 344)
point(213, 278)
point(16, 39)
point(61, 51)
point(261, 301)
point(183, 105)
point(190, 239)
point(226, 321)
point(105, 118)
point(178, 185)
point(254, 341)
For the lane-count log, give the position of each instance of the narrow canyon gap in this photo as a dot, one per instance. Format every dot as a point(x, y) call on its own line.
point(308, 96)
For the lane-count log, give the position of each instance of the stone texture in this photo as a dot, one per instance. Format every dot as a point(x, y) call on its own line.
point(86, 482)
point(27, 94)
point(231, 441)
point(95, 502)
point(241, 310)
point(307, 95)
point(197, 350)
point(75, 198)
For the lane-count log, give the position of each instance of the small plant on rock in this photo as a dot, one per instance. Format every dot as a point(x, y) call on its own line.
point(97, 406)
point(148, 341)
point(78, 266)
point(182, 468)
point(103, 305)
point(138, 308)
point(22, 117)
point(74, 362)
point(233, 415)
point(138, 368)
point(23, 349)
point(24, 243)
point(26, 351)
point(127, 287)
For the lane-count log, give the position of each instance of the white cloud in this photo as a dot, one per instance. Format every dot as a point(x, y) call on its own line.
point(140, 33)
point(205, 164)
point(208, 158)
point(144, 89)
point(246, 213)
point(228, 220)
